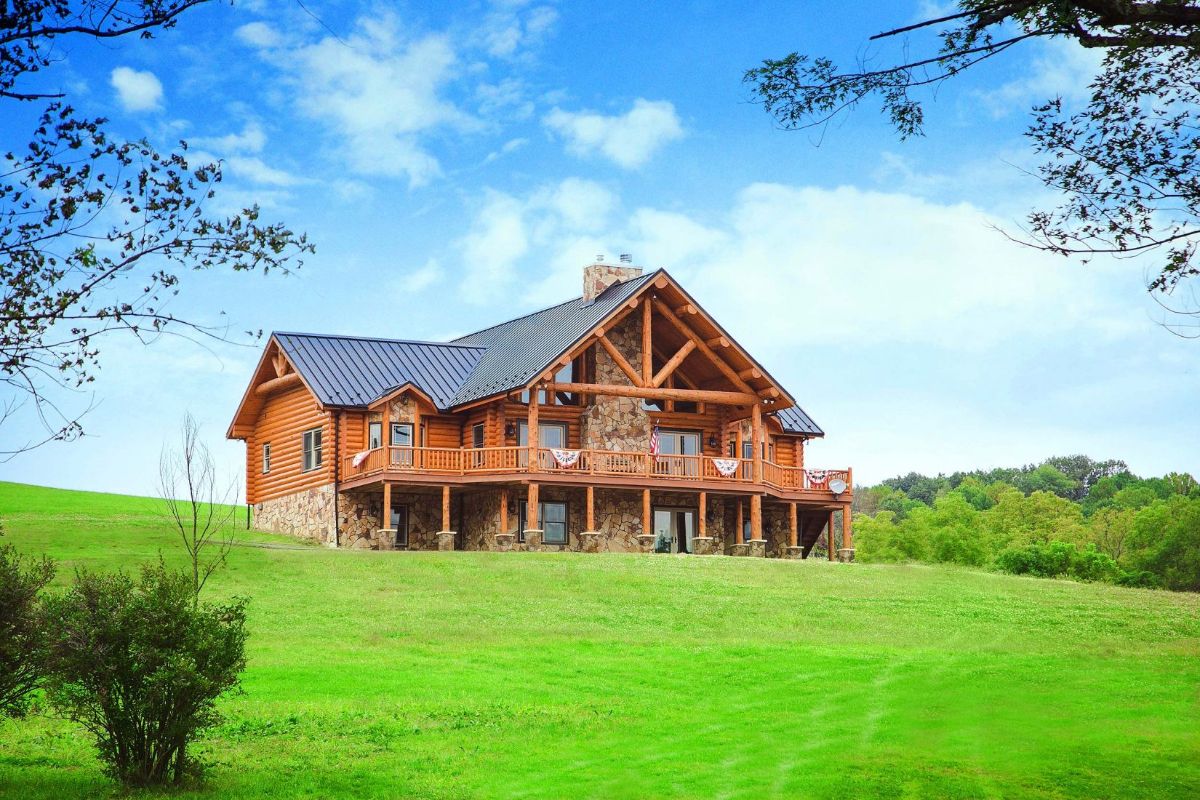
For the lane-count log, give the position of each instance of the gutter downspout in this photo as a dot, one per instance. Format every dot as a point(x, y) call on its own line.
point(337, 466)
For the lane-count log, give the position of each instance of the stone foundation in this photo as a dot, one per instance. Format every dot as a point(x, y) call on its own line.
point(845, 555)
point(757, 548)
point(704, 546)
point(307, 514)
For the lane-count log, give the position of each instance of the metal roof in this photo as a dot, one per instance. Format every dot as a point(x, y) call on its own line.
point(519, 349)
point(795, 420)
point(354, 371)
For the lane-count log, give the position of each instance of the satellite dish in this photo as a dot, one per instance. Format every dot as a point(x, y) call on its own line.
point(837, 486)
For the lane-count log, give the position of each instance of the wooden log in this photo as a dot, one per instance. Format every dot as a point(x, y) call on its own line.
point(756, 437)
point(741, 522)
point(749, 374)
point(591, 509)
point(847, 527)
point(647, 343)
point(717, 341)
point(702, 516)
point(756, 531)
point(728, 371)
point(387, 505)
point(829, 537)
point(292, 379)
point(674, 363)
point(446, 507)
point(504, 511)
point(647, 524)
point(659, 393)
point(620, 360)
point(531, 507)
point(794, 527)
point(532, 428)
point(686, 308)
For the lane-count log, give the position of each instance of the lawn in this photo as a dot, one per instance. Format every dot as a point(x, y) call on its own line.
point(479, 675)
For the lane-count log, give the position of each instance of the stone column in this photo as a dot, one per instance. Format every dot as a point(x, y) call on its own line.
point(445, 540)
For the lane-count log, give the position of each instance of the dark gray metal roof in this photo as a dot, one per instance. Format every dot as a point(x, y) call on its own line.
point(795, 420)
point(519, 349)
point(354, 371)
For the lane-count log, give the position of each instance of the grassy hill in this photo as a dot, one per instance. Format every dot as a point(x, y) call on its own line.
point(464, 675)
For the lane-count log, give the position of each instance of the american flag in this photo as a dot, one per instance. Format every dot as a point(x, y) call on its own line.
point(654, 441)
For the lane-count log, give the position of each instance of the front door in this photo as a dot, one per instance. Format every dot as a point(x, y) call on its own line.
point(399, 523)
point(674, 529)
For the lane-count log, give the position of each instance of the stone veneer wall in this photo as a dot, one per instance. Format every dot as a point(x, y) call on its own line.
point(307, 514)
point(598, 277)
point(618, 423)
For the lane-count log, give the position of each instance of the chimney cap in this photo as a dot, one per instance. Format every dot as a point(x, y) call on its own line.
point(626, 258)
point(600, 258)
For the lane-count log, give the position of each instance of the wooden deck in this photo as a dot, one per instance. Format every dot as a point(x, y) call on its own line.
point(597, 467)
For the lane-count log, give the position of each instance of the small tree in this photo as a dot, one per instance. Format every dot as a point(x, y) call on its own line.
point(141, 665)
point(200, 510)
point(21, 634)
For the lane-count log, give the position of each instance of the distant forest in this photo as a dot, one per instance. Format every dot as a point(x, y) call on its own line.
point(1069, 516)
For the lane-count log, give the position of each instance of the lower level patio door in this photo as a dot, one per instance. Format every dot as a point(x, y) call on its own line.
point(674, 529)
point(398, 522)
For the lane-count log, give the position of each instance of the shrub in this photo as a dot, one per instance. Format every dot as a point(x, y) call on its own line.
point(21, 634)
point(140, 665)
point(1092, 565)
point(1049, 560)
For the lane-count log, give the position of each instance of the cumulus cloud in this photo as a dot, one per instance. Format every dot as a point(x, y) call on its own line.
point(137, 90)
point(1061, 68)
point(376, 93)
point(509, 28)
point(252, 139)
point(628, 140)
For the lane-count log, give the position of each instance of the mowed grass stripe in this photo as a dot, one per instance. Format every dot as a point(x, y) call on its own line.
point(476, 675)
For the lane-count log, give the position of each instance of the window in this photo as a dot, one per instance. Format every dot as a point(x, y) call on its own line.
point(402, 434)
point(312, 449)
point(672, 444)
point(374, 435)
point(266, 465)
point(552, 519)
point(564, 375)
point(477, 436)
point(550, 434)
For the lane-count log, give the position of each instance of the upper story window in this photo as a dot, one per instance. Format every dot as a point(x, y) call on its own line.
point(311, 448)
point(477, 436)
point(564, 375)
point(266, 457)
point(374, 435)
point(402, 434)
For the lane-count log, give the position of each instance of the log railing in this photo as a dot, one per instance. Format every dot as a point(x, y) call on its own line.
point(610, 463)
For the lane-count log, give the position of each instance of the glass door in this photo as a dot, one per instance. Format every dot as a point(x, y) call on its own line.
point(671, 445)
point(674, 529)
point(399, 523)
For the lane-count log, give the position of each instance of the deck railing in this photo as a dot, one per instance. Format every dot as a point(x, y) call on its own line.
point(606, 463)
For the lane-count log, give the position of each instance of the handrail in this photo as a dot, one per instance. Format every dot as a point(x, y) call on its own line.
point(607, 463)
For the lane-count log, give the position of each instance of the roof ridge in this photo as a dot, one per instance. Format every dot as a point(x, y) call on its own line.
point(548, 308)
point(379, 339)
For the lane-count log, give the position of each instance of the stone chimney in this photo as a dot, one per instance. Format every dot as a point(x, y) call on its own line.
point(599, 276)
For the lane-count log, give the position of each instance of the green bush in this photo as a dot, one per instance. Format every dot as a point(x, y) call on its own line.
point(1049, 560)
point(21, 634)
point(1092, 565)
point(141, 665)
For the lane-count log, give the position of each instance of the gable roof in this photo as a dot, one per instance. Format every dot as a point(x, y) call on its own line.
point(521, 348)
point(356, 370)
point(353, 371)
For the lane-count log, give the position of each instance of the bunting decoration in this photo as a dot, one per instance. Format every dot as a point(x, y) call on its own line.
point(726, 466)
point(565, 458)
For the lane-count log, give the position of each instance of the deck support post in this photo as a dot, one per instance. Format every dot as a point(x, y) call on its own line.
point(446, 537)
point(829, 538)
point(590, 509)
point(533, 530)
point(646, 537)
point(793, 526)
point(702, 543)
point(504, 538)
point(758, 545)
point(533, 434)
point(846, 552)
point(589, 537)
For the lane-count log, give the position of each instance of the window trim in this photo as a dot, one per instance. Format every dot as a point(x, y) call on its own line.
point(522, 509)
point(370, 437)
point(478, 436)
point(305, 449)
point(266, 458)
point(392, 434)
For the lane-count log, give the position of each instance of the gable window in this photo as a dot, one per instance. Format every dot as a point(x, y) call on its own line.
point(374, 435)
point(311, 441)
point(402, 437)
point(266, 457)
point(564, 375)
point(552, 517)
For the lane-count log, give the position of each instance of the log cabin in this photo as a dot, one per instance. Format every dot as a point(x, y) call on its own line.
point(624, 420)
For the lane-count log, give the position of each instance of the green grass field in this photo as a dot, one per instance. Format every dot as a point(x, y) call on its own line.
point(464, 675)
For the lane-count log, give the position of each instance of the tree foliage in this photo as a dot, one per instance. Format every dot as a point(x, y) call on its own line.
point(140, 665)
point(22, 638)
point(96, 232)
point(1125, 162)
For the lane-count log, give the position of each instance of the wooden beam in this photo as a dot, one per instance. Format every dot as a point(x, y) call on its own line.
point(686, 308)
point(387, 505)
point(674, 363)
point(702, 516)
point(647, 343)
point(651, 393)
point(750, 374)
point(847, 527)
point(718, 341)
point(756, 516)
point(741, 522)
point(532, 429)
point(590, 511)
point(660, 282)
point(756, 437)
point(792, 525)
point(531, 507)
point(683, 328)
point(646, 521)
point(446, 507)
point(280, 363)
point(277, 384)
point(829, 537)
point(620, 360)
point(504, 511)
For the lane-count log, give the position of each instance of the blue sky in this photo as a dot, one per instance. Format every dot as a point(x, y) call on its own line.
point(458, 164)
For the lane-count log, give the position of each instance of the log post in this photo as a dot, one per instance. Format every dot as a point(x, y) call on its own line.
point(591, 509)
point(646, 521)
point(847, 528)
point(446, 507)
point(756, 437)
point(504, 510)
point(792, 522)
point(701, 516)
point(741, 523)
point(829, 538)
point(647, 344)
point(533, 434)
point(756, 531)
point(531, 507)
point(386, 517)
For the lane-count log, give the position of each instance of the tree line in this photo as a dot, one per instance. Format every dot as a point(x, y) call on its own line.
point(1068, 516)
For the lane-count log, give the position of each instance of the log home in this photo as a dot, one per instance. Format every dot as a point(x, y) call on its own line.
point(624, 420)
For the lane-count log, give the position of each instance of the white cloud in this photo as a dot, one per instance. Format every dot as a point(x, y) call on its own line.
point(377, 93)
point(137, 90)
point(258, 34)
point(510, 28)
point(1061, 68)
point(422, 278)
point(629, 139)
point(252, 139)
